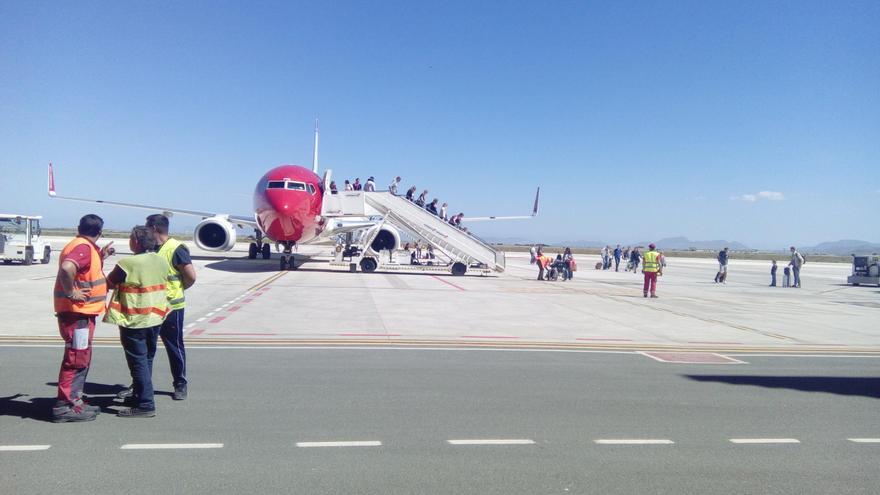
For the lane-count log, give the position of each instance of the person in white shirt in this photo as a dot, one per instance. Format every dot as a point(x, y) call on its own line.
point(443, 211)
point(393, 186)
point(348, 186)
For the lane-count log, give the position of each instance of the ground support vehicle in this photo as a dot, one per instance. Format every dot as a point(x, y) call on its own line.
point(20, 240)
point(866, 270)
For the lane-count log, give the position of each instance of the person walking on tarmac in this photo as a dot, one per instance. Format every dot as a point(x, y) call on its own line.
point(181, 276)
point(139, 306)
point(651, 267)
point(721, 276)
point(80, 290)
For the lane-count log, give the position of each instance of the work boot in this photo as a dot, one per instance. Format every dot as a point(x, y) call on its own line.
point(85, 405)
point(125, 393)
point(654, 296)
point(645, 294)
point(179, 392)
point(136, 412)
point(73, 414)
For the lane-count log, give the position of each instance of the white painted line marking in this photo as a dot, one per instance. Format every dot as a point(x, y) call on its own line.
point(369, 443)
point(202, 318)
point(764, 440)
point(218, 309)
point(634, 441)
point(496, 441)
point(22, 448)
point(864, 440)
point(163, 446)
point(191, 325)
point(209, 314)
point(227, 304)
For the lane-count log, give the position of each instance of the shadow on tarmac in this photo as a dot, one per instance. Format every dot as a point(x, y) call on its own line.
point(840, 385)
point(245, 265)
point(40, 408)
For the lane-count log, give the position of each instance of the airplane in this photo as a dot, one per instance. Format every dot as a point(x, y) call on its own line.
point(287, 204)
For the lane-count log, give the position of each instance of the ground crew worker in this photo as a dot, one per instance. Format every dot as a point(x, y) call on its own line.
point(181, 276)
point(139, 306)
point(650, 267)
point(543, 261)
point(80, 289)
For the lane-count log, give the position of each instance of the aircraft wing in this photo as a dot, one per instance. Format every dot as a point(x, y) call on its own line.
point(239, 220)
point(520, 217)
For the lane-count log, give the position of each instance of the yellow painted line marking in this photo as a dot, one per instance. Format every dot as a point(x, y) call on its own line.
point(267, 281)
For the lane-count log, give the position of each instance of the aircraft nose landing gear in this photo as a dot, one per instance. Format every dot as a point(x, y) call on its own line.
point(288, 262)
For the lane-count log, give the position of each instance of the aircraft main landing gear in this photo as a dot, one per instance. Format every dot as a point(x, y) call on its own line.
point(259, 247)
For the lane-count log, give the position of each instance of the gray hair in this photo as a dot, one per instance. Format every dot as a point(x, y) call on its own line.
point(143, 238)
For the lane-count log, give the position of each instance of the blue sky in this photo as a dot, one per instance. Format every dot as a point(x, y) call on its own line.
point(750, 121)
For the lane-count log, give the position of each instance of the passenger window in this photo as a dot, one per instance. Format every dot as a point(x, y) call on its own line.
point(275, 184)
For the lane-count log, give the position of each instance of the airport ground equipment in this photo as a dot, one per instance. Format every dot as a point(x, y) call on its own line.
point(20, 240)
point(462, 250)
point(455, 250)
point(866, 270)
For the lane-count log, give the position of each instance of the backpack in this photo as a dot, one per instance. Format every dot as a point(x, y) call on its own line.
point(804, 258)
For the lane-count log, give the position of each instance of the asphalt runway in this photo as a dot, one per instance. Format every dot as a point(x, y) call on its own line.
point(322, 381)
point(275, 420)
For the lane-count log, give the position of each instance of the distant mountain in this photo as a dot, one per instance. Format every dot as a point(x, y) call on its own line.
point(684, 244)
point(843, 247)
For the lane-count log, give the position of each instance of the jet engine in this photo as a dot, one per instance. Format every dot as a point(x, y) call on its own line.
point(387, 238)
point(215, 234)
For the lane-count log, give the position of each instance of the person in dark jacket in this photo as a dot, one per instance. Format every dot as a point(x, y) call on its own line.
point(773, 274)
point(721, 276)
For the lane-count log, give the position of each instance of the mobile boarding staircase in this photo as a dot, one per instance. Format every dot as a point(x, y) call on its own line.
point(461, 249)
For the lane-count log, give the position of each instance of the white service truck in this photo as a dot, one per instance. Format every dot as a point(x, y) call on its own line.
point(20, 240)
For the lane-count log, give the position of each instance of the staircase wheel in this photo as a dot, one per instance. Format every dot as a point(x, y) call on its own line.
point(459, 268)
point(368, 265)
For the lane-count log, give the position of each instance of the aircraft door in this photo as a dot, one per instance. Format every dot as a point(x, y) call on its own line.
point(325, 182)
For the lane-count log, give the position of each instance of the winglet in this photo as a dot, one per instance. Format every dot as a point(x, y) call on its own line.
point(537, 196)
point(51, 181)
point(315, 154)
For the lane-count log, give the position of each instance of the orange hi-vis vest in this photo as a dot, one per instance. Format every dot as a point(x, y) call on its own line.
point(93, 279)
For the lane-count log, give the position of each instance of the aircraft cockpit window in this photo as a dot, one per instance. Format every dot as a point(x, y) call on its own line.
point(296, 186)
point(275, 184)
point(311, 189)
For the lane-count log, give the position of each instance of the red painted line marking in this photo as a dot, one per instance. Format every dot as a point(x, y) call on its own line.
point(487, 337)
point(233, 308)
point(197, 331)
point(369, 335)
point(449, 283)
point(258, 294)
point(217, 319)
point(241, 333)
point(243, 301)
point(609, 340)
point(713, 342)
point(823, 345)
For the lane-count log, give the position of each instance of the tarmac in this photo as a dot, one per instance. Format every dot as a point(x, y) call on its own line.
point(325, 381)
point(237, 300)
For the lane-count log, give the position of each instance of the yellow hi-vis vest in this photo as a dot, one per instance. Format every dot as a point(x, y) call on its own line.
point(174, 286)
point(650, 262)
point(140, 301)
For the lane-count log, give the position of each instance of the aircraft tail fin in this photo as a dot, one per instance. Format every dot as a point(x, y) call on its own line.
point(315, 153)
